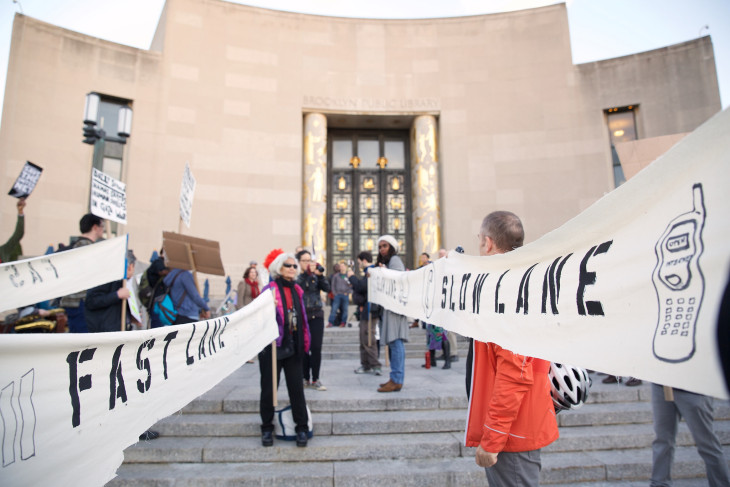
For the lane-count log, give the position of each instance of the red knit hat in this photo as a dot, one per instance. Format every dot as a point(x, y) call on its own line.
point(270, 258)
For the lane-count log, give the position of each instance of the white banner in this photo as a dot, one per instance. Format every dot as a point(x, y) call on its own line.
point(108, 197)
point(187, 190)
point(31, 281)
point(632, 286)
point(72, 403)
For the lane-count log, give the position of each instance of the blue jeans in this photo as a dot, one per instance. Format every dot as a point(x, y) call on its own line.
point(340, 302)
point(397, 361)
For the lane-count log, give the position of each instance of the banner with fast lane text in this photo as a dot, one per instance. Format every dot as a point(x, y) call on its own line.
point(71, 403)
point(631, 287)
point(30, 281)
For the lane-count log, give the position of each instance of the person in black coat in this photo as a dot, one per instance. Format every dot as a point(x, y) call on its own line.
point(369, 363)
point(103, 304)
point(103, 312)
point(313, 282)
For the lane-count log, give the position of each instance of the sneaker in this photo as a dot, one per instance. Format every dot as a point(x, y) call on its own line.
point(307, 384)
point(317, 386)
point(362, 370)
point(377, 371)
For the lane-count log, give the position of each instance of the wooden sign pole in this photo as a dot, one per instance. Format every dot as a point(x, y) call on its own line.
point(273, 373)
point(124, 305)
point(192, 266)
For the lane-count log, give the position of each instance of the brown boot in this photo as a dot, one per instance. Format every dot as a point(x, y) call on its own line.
point(390, 386)
point(386, 383)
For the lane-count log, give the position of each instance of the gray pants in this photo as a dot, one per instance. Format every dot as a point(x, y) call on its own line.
point(368, 353)
point(696, 410)
point(515, 469)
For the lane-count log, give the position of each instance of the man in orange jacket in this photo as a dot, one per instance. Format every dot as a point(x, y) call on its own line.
point(511, 414)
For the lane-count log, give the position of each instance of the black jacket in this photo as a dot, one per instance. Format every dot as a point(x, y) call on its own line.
point(103, 308)
point(312, 284)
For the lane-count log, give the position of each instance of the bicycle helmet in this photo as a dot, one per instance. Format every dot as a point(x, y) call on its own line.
point(568, 386)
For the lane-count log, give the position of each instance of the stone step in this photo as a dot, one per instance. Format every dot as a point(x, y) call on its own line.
point(624, 468)
point(324, 424)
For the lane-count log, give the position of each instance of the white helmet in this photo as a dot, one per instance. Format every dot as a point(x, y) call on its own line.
point(568, 386)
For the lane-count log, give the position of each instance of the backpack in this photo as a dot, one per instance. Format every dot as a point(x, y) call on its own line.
point(161, 303)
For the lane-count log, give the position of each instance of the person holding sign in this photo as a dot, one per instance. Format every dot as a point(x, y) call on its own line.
point(394, 327)
point(511, 414)
point(103, 304)
point(291, 346)
point(11, 250)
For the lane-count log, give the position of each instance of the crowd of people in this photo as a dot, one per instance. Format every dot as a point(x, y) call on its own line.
point(511, 414)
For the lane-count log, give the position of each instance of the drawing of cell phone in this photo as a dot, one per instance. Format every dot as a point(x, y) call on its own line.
point(679, 282)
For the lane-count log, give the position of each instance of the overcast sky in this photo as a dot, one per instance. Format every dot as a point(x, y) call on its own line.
point(599, 29)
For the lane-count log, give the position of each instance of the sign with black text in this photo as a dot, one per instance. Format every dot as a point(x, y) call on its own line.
point(27, 180)
point(631, 287)
point(108, 197)
point(187, 191)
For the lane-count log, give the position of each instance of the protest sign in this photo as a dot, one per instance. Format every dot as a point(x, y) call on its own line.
point(71, 403)
point(27, 180)
point(30, 281)
point(187, 190)
point(631, 287)
point(108, 197)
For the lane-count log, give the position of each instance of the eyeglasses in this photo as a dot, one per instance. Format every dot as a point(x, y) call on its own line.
point(289, 266)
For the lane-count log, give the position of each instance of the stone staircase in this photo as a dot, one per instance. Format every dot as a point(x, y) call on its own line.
point(409, 438)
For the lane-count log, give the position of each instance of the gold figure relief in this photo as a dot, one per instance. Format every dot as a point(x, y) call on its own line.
point(342, 183)
point(341, 203)
point(342, 223)
point(369, 244)
point(369, 225)
point(396, 223)
point(396, 203)
point(355, 161)
point(368, 183)
point(341, 245)
point(316, 185)
point(368, 203)
point(382, 162)
point(396, 184)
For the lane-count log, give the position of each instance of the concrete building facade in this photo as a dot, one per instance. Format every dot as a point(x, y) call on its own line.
point(325, 132)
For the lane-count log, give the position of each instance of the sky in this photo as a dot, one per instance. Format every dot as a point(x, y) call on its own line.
point(599, 29)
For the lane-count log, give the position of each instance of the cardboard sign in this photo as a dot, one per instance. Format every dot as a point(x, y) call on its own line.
point(206, 254)
point(187, 189)
point(25, 184)
point(108, 197)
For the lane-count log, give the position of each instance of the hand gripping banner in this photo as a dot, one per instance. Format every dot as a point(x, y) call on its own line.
point(632, 286)
point(30, 281)
point(71, 403)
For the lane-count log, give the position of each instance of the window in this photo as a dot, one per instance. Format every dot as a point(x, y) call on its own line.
point(621, 128)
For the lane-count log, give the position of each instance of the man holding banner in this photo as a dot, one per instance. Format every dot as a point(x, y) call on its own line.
point(511, 414)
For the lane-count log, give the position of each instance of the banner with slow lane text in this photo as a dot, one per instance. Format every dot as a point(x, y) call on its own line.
point(71, 403)
point(631, 287)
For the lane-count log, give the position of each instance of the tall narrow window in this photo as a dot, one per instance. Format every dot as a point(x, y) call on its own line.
point(621, 128)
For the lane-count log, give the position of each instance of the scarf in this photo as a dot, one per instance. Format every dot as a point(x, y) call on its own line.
point(254, 285)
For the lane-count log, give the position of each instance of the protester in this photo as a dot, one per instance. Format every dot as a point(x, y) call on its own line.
point(313, 282)
point(368, 316)
point(103, 304)
point(341, 290)
point(511, 414)
point(442, 253)
point(697, 411)
point(151, 286)
point(393, 327)
point(291, 346)
point(190, 306)
point(248, 289)
point(92, 230)
point(11, 250)
point(103, 312)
